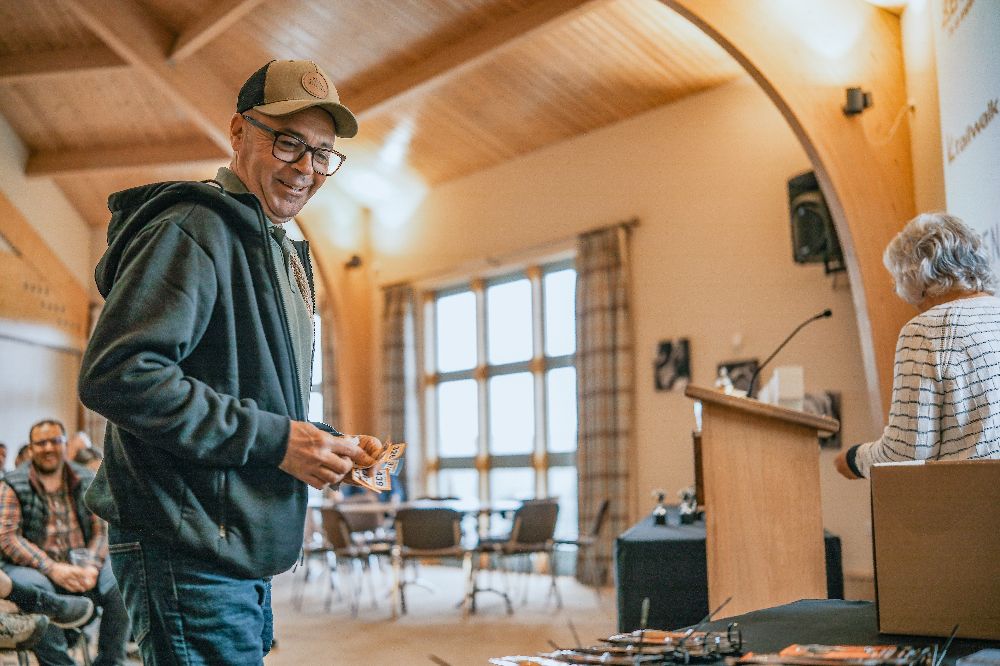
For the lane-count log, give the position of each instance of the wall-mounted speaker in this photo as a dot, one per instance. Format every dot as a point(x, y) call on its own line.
point(814, 239)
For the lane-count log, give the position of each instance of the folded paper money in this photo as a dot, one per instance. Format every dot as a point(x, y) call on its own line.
point(378, 477)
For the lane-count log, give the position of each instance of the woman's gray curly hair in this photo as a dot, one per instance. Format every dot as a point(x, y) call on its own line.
point(937, 253)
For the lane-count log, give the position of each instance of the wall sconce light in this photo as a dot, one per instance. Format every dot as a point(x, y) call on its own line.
point(857, 101)
point(353, 262)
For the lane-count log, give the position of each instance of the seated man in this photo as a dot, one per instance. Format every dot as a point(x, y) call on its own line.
point(38, 608)
point(42, 519)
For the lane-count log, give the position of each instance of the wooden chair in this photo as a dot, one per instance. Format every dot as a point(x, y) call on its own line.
point(586, 545)
point(422, 533)
point(531, 533)
point(347, 551)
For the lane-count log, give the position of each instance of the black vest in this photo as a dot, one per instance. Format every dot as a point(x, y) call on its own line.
point(34, 508)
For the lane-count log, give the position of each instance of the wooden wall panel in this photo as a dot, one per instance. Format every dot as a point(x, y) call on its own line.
point(804, 63)
point(39, 299)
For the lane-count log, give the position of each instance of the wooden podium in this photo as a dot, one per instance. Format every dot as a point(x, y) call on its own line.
point(763, 518)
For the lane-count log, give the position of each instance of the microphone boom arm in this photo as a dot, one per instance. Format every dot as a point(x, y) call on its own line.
point(753, 379)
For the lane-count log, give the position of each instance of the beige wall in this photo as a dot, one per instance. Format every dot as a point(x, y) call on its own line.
point(712, 261)
point(36, 383)
point(925, 118)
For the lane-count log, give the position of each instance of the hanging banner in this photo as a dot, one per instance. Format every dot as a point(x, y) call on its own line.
point(967, 38)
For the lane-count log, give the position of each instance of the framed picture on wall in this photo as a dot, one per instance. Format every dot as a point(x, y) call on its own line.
point(740, 372)
point(672, 368)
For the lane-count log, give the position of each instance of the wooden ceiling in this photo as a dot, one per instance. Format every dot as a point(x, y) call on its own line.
point(108, 94)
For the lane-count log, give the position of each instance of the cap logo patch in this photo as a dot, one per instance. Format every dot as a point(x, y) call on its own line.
point(315, 84)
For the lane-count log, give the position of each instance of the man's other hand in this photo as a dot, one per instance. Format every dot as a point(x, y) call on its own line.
point(318, 458)
point(73, 578)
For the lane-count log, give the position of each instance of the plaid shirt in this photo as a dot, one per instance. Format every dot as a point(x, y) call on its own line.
point(62, 533)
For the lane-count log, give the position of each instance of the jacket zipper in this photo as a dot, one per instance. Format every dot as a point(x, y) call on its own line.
point(275, 284)
point(222, 504)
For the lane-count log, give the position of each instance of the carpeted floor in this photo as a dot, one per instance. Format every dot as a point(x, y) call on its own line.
point(434, 627)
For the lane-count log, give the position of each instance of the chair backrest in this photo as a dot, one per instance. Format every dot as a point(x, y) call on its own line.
point(600, 518)
point(336, 528)
point(428, 529)
point(369, 519)
point(534, 522)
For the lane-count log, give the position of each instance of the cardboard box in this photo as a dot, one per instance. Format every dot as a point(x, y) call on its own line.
point(936, 528)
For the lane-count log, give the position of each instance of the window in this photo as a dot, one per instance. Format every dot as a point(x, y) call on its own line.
point(501, 388)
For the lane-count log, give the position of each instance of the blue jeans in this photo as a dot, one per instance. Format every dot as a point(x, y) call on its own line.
point(111, 640)
point(183, 613)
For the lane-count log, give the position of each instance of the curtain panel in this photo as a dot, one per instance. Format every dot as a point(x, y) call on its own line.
point(329, 386)
point(604, 366)
point(396, 312)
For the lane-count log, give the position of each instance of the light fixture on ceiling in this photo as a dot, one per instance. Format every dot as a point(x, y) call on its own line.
point(857, 100)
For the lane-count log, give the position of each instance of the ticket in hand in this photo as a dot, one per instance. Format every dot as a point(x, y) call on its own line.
point(378, 477)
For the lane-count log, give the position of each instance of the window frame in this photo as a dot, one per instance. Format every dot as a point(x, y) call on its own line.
point(540, 460)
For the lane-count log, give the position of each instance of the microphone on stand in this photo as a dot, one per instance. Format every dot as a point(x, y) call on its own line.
point(753, 380)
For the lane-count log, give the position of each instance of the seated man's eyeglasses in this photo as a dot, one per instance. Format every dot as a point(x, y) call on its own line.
point(54, 441)
point(288, 148)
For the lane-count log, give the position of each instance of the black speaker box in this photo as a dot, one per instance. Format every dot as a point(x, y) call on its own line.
point(814, 239)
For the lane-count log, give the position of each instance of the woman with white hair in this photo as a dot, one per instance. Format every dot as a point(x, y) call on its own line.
point(946, 386)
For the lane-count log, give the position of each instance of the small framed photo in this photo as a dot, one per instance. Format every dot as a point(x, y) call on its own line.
point(740, 372)
point(672, 368)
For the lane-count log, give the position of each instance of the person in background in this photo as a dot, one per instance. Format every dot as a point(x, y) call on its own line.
point(77, 443)
point(201, 362)
point(43, 520)
point(946, 387)
point(90, 458)
point(23, 455)
point(38, 608)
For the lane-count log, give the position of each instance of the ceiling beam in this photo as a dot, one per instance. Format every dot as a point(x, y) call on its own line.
point(210, 25)
point(18, 67)
point(143, 43)
point(93, 160)
point(462, 55)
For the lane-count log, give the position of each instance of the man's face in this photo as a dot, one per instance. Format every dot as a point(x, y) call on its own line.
point(282, 188)
point(48, 448)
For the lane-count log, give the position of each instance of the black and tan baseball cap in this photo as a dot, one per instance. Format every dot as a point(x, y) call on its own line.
point(285, 86)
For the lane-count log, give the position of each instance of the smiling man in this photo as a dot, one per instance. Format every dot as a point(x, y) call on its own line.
point(201, 362)
point(43, 519)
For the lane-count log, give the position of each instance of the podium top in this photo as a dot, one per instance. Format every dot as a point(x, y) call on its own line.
point(758, 408)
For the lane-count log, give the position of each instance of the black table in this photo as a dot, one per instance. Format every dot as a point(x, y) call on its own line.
point(667, 565)
point(829, 622)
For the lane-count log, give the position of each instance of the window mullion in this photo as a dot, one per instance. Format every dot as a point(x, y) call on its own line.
point(483, 448)
point(538, 375)
point(428, 380)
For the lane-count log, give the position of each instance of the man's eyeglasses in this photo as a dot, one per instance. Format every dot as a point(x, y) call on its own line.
point(54, 441)
point(288, 148)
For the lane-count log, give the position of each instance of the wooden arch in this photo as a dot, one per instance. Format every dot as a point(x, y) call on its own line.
point(804, 62)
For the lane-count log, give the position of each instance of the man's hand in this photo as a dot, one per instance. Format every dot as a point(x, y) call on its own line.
point(73, 578)
point(841, 464)
point(318, 458)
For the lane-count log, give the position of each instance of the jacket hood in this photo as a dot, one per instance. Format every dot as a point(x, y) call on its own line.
point(133, 208)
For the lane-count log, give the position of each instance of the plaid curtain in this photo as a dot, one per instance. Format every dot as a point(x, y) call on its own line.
point(604, 359)
point(396, 312)
point(329, 386)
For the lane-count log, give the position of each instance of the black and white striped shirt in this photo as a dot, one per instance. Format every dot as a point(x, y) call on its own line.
point(946, 388)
